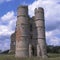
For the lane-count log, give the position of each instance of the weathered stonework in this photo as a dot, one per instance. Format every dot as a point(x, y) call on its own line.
point(13, 43)
point(30, 33)
point(22, 32)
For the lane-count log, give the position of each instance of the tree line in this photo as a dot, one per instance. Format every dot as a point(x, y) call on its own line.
point(53, 49)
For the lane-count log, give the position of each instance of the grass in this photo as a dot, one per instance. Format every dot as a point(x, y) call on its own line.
point(53, 56)
point(11, 57)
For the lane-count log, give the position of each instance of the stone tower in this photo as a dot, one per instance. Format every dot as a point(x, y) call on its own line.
point(30, 33)
point(22, 32)
point(40, 25)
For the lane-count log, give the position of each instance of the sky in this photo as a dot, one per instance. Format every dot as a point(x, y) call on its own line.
point(8, 18)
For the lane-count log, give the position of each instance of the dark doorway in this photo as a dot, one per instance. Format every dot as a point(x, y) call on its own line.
point(32, 50)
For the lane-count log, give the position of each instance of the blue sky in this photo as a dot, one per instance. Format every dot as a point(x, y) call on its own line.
point(8, 13)
point(8, 5)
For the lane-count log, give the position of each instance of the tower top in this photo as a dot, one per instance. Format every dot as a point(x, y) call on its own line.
point(23, 6)
point(22, 10)
point(40, 9)
point(39, 13)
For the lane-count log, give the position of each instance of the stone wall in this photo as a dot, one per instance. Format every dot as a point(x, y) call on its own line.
point(13, 43)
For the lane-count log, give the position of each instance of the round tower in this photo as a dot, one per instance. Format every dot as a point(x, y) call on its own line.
point(39, 20)
point(22, 32)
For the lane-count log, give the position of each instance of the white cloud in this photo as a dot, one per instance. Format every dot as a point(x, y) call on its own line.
point(55, 41)
point(53, 38)
point(48, 5)
point(8, 16)
point(11, 19)
point(7, 29)
point(5, 45)
point(52, 18)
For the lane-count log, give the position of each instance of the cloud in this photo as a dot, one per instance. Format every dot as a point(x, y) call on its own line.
point(53, 37)
point(7, 27)
point(1, 1)
point(10, 16)
point(5, 45)
point(52, 18)
point(55, 41)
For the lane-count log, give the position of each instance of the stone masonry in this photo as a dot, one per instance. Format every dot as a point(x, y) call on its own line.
point(13, 43)
point(30, 33)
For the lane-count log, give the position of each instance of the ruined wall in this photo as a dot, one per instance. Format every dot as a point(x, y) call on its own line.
point(13, 41)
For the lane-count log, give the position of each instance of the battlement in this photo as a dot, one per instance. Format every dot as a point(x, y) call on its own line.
point(22, 10)
point(39, 13)
point(23, 6)
point(39, 10)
